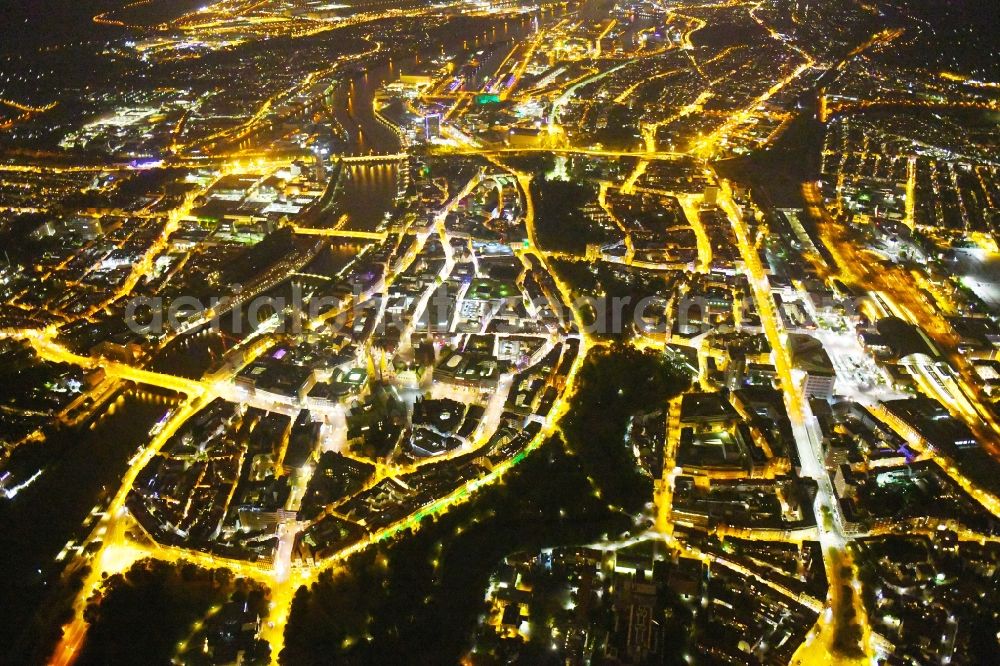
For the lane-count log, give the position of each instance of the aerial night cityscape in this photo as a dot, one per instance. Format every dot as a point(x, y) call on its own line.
point(493, 332)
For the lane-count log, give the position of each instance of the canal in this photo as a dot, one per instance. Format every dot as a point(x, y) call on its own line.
point(81, 467)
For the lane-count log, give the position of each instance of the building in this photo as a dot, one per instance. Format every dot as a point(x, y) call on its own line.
point(929, 422)
point(416, 80)
point(809, 357)
point(636, 633)
point(432, 126)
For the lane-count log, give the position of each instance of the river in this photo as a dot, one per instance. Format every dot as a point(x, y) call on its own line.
point(369, 192)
